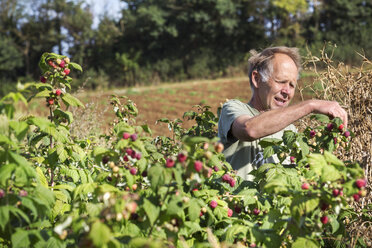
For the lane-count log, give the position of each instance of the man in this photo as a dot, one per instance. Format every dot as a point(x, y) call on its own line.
point(273, 77)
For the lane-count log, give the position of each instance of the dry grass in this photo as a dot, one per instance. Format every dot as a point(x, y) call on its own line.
point(352, 89)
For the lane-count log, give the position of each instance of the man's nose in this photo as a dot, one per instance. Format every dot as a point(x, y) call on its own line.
point(285, 90)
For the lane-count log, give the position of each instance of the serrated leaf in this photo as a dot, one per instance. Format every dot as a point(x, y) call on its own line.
point(305, 242)
point(4, 216)
point(70, 100)
point(64, 114)
point(269, 142)
point(194, 209)
point(62, 153)
point(156, 176)
point(41, 177)
point(20, 128)
point(20, 239)
point(234, 231)
point(320, 117)
point(44, 93)
point(151, 210)
point(100, 234)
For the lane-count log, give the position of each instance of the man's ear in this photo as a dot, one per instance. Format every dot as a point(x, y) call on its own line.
point(256, 78)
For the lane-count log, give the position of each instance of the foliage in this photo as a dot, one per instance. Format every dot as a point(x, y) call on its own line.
point(136, 191)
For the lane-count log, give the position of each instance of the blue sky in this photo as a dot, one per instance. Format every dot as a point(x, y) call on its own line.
point(101, 7)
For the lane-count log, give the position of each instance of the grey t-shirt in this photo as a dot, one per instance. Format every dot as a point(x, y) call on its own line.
point(242, 155)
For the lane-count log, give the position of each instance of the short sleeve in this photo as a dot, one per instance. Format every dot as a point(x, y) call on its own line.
point(230, 111)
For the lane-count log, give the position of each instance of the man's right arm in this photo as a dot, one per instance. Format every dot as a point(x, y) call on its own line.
point(247, 128)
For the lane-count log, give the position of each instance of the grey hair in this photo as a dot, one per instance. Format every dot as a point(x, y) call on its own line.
point(262, 62)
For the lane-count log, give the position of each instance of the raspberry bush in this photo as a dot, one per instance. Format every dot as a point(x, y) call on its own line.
point(136, 190)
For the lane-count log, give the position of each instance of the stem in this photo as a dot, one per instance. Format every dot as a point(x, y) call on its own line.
point(51, 146)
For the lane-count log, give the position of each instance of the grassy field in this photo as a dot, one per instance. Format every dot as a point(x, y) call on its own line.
point(168, 100)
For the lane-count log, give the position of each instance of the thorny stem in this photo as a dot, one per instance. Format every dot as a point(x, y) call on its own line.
point(51, 146)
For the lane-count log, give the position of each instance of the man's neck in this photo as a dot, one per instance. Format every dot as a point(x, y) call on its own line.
point(256, 103)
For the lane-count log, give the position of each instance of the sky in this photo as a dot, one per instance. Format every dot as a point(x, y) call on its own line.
point(101, 7)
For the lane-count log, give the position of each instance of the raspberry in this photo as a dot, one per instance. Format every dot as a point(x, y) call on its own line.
point(336, 192)
point(58, 92)
point(232, 182)
point(293, 159)
point(50, 101)
point(198, 165)
point(133, 154)
point(23, 193)
point(238, 209)
point(133, 137)
point(43, 79)
point(2, 193)
point(356, 197)
point(312, 133)
point(341, 127)
point(226, 178)
point(138, 156)
point(67, 60)
point(256, 211)
point(62, 64)
point(213, 204)
point(324, 206)
point(324, 219)
point(129, 151)
point(182, 157)
point(215, 168)
point(335, 140)
point(305, 186)
point(125, 158)
point(219, 147)
point(329, 126)
point(169, 163)
point(66, 71)
point(347, 134)
point(126, 135)
point(133, 171)
point(229, 212)
point(360, 183)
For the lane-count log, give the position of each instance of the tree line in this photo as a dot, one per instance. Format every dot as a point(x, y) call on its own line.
point(162, 40)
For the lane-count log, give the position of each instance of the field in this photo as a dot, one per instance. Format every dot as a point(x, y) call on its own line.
point(169, 100)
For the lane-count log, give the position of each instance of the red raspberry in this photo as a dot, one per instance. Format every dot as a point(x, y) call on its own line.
point(324, 219)
point(305, 186)
point(133, 171)
point(126, 135)
point(293, 159)
point(256, 211)
point(58, 92)
point(169, 163)
point(329, 126)
point(66, 71)
point(2, 193)
point(182, 157)
point(198, 165)
point(62, 64)
point(356, 197)
point(23, 193)
point(138, 156)
point(129, 151)
point(133, 137)
point(43, 79)
point(226, 178)
point(312, 133)
point(232, 182)
point(50, 101)
point(336, 192)
point(347, 134)
point(238, 209)
point(341, 127)
point(360, 183)
point(229, 212)
point(215, 168)
point(213, 204)
point(125, 158)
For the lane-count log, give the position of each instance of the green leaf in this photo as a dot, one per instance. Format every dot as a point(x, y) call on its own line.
point(100, 234)
point(75, 66)
point(151, 210)
point(6, 172)
point(62, 153)
point(4, 216)
point(269, 142)
point(64, 114)
point(303, 205)
point(334, 224)
point(320, 117)
point(233, 232)
point(156, 176)
point(44, 93)
point(305, 242)
point(268, 151)
point(20, 128)
point(70, 100)
point(20, 238)
point(194, 209)
point(332, 159)
point(289, 137)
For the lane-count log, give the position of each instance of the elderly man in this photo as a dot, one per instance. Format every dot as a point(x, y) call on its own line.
point(273, 75)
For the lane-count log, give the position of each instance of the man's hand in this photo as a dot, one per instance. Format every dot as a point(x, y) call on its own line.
point(330, 108)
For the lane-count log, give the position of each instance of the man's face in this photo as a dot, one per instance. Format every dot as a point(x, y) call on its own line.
point(279, 90)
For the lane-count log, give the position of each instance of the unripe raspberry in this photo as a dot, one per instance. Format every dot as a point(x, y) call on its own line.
point(111, 164)
point(362, 192)
point(67, 60)
point(66, 71)
point(182, 157)
point(219, 147)
point(205, 146)
point(23, 193)
point(2, 193)
point(324, 219)
point(58, 61)
point(208, 154)
point(360, 183)
point(134, 187)
point(43, 79)
point(115, 169)
point(229, 212)
point(58, 92)
point(305, 186)
point(319, 134)
point(133, 137)
point(169, 163)
point(198, 165)
point(126, 135)
point(213, 204)
point(204, 209)
point(133, 171)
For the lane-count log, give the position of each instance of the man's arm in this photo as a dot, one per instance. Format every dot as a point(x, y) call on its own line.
point(249, 128)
